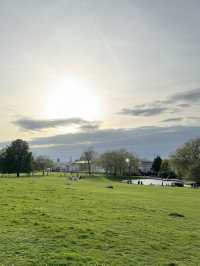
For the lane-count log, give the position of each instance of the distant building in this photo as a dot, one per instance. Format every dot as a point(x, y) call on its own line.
point(145, 166)
point(82, 166)
point(76, 167)
point(60, 167)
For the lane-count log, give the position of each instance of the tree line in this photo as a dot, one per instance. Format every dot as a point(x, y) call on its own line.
point(183, 163)
point(115, 162)
point(163, 168)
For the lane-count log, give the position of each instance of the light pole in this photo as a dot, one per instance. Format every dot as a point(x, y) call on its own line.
point(129, 169)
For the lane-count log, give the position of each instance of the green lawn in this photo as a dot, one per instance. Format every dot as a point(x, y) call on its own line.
point(49, 221)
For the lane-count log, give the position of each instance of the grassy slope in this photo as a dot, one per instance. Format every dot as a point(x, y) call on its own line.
point(50, 221)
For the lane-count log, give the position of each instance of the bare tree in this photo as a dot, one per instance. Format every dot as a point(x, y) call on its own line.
point(89, 155)
point(119, 162)
point(42, 163)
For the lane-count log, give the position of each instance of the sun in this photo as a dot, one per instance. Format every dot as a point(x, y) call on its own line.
point(72, 97)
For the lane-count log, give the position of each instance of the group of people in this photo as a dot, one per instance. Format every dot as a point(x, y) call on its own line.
point(139, 182)
point(195, 185)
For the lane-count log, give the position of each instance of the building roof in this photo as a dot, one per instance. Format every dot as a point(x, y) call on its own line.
point(80, 162)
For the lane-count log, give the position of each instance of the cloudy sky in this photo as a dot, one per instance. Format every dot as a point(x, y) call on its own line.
point(108, 74)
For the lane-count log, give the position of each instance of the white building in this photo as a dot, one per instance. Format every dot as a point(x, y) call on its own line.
point(82, 166)
point(77, 166)
point(145, 166)
point(60, 167)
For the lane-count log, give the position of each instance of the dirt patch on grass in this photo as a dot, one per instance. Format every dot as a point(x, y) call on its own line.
point(176, 215)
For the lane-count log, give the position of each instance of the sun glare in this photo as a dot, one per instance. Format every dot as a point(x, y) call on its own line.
point(72, 97)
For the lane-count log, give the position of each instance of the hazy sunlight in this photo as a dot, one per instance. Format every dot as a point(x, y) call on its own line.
point(72, 97)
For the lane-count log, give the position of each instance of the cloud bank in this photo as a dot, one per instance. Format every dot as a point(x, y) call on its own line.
point(192, 96)
point(169, 120)
point(144, 141)
point(143, 110)
point(37, 125)
point(176, 102)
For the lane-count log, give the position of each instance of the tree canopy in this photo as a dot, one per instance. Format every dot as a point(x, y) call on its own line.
point(156, 165)
point(186, 160)
point(16, 158)
point(166, 170)
point(42, 163)
point(89, 155)
point(116, 163)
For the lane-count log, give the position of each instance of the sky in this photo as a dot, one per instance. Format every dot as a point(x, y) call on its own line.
point(109, 74)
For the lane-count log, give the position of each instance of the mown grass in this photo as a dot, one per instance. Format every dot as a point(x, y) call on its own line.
point(51, 221)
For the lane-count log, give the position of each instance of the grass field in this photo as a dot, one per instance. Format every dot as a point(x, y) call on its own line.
point(48, 220)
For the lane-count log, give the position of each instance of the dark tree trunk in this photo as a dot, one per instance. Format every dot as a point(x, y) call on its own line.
point(115, 171)
point(89, 168)
point(17, 174)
